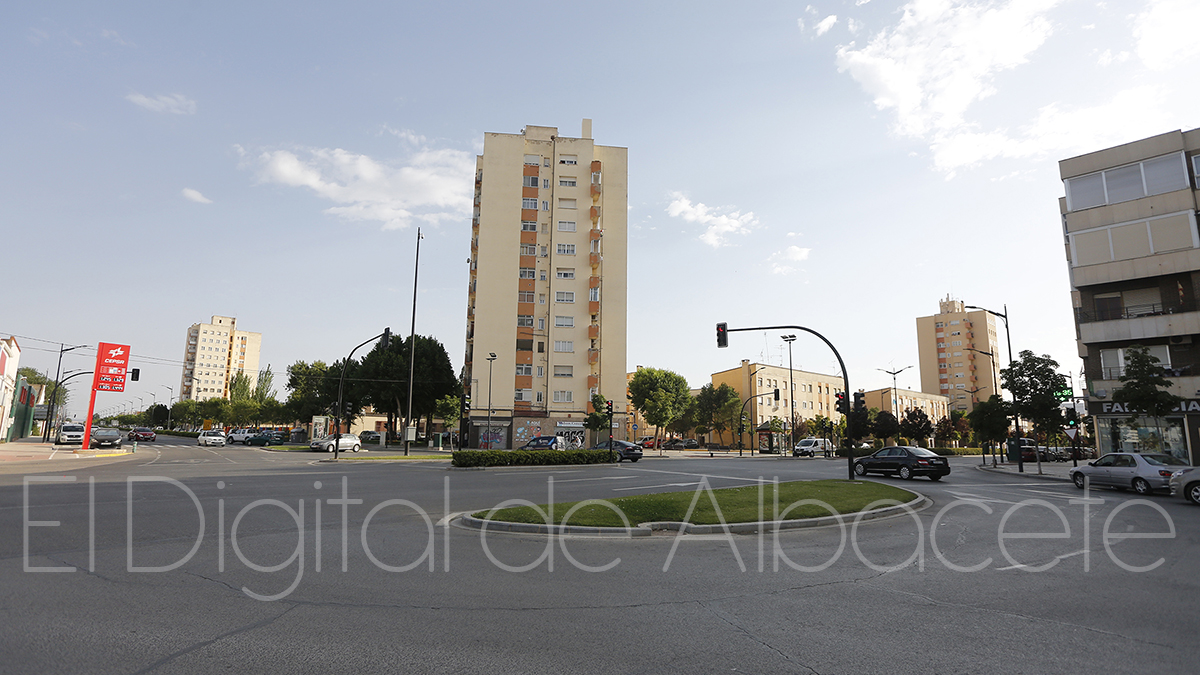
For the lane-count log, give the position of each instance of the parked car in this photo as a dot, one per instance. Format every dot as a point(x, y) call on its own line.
point(211, 437)
point(691, 444)
point(70, 433)
point(239, 436)
point(905, 461)
point(674, 444)
point(264, 437)
point(622, 449)
point(105, 438)
point(1187, 482)
point(142, 434)
point(809, 447)
point(347, 442)
point(544, 443)
point(647, 442)
point(1144, 472)
point(369, 437)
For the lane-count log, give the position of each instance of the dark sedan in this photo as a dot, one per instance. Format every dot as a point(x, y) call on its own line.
point(622, 450)
point(264, 437)
point(904, 461)
point(106, 438)
point(142, 434)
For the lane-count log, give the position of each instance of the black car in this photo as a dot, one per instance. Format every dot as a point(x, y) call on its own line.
point(905, 461)
point(106, 438)
point(622, 450)
point(369, 437)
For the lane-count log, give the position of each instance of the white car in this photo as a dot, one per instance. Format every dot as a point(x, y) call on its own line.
point(211, 437)
point(71, 433)
point(348, 442)
point(240, 436)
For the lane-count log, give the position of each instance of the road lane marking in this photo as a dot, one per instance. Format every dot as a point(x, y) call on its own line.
point(649, 487)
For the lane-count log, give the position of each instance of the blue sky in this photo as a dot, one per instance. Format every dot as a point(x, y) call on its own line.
point(789, 163)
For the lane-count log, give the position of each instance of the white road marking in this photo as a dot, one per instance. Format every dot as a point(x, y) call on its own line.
point(648, 487)
point(577, 480)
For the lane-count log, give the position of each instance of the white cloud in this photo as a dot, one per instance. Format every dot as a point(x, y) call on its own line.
point(720, 223)
point(781, 262)
point(1165, 33)
point(1107, 58)
point(112, 35)
point(176, 104)
point(195, 196)
point(826, 23)
point(429, 186)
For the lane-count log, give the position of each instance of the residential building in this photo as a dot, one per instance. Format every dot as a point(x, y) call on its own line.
point(900, 401)
point(213, 354)
point(756, 383)
point(1133, 252)
point(959, 355)
point(546, 308)
point(10, 360)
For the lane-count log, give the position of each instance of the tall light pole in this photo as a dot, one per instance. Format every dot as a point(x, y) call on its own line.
point(490, 359)
point(895, 396)
point(54, 395)
point(1008, 338)
point(789, 339)
point(412, 347)
point(169, 401)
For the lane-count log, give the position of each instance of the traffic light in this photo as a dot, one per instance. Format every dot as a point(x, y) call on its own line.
point(860, 401)
point(134, 375)
point(609, 405)
point(466, 404)
point(1072, 419)
point(841, 406)
point(776, 393)
point(722, 335)
point(387, 337)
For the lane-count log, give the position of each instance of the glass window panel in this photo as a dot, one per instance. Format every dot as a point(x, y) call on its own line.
point(1124, 184)
point(1165, 174)
point(1085, 192)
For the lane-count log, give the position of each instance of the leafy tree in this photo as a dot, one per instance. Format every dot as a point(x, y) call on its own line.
point(1035, 383)
point(916, 425)
point(34, 377)
point(263, 390)
point(989, 420)
point(449, 409)
point(717, 409)
point(660, 395)
point(243, 411)
point(885, 425)
point(1143, 387)
point(597, 419)
point(158, 415)
point(185, 412)
point(944, 431)
point(686, 421)
point(384, 378)
point(304, 386)
point(215, 409)
point(239, 387)
point(273, 412)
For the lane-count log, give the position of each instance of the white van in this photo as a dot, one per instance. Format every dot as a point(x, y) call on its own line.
point(809, 447)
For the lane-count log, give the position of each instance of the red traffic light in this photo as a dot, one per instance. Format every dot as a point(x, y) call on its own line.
point(722, 335)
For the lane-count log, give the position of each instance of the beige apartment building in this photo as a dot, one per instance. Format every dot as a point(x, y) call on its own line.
point(213, 353)
point(1133, 252)
point(959, 355)
point(900, 401)
point(813, 394)
point(546, 308)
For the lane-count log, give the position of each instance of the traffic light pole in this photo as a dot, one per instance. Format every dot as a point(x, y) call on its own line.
point(337, 417)
point(722, 341)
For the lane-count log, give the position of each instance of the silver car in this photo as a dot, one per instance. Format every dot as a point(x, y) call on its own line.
point(347, 442)
point(1143, 472)
point(211, 437)
point(70, 433)
point(1186, 481)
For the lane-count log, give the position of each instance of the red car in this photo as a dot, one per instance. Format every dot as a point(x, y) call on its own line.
point(142, 434)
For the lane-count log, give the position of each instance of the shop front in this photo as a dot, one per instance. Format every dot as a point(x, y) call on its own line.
point(1176, 433)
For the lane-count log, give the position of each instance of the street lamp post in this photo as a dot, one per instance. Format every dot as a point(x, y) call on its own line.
point(54, 395)
point(412, 347)
point(1008, 338)
point(789, 339)
point(895, 396)
point(995, 389)
point(491, 358)
point(170, 399)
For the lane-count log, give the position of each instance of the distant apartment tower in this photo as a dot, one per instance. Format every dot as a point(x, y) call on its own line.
point(213, 354)
point(814, 395)
point(959, 355)
point(1133, 252)
point(547, 290)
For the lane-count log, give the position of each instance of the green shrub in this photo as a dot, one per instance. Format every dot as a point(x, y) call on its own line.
point(951, 452)
point(474, 458)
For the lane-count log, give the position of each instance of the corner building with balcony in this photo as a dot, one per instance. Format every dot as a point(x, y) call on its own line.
point(547, 293)
point(959, 355)
point(1133, 252)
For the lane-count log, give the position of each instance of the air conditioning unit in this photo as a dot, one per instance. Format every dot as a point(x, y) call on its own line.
point(1180, 339)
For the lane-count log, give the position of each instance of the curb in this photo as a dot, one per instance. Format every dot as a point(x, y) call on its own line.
point(1040, 476)
point(646, 529)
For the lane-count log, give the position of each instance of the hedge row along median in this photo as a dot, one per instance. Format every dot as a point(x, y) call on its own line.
point(474, 458)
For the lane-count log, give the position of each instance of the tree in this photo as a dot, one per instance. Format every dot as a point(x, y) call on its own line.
point(449, 409)
point(384, 378)
point(239, 387)
point(597, 419)
point(1035, 383)
point(1143, 388)
point(989, 420)
point(34, 377)
point(185, 411)
point(686, 421)
point(214, 409)
point(243, 411)
point(944, 431)
point(717, 409)
point(304, 386)
point(272, 412)
point(916, 425)
point(884, 426)
point(660, 395)
point(263, 388)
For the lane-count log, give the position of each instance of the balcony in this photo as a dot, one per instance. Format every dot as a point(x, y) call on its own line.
point(1136, 323)
point(593, 356)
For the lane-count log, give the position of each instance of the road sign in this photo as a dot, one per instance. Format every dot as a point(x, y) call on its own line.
point(1071, 433)
point(111, 362)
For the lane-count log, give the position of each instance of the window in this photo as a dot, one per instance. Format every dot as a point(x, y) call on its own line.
point(594, 294)
point(566, 181)
point(524, 369)
point(541, 347)
point(566, 249)
point(533, 160)
point(541, 323)
point(523, 395)
point(546, 183)
point(541, 298)
point(1125, 183)
point(524, 345)
point(566, 203)
point(543, 251)
point(528, 226)
point(528, 249)
point(527, 273)
point(569, 160)
point(1112, 361)
point(595, 178)
point(956, 343)
point(529, 181)
point(564, 371)
point(566, 226)
point(957, 332)
point(524, 296)
point(539, 394)
point(541, 371)
point(545, 205)
point(564, 322)
point(564, 346)
point(529, 203)
point(542, 275)
point(565, 273)
point(562, 396)
point(564, 296)
point(524, 321)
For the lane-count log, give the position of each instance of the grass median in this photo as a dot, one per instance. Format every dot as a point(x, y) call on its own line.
point(737, 505)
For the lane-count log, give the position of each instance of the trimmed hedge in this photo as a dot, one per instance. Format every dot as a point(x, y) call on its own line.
point(473, 458)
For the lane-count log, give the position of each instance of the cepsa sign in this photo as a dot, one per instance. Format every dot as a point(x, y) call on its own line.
point(111, 363)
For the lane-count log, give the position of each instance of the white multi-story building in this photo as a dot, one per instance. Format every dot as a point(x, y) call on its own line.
point(214, 353)
point(546, 312)
point(959, 354)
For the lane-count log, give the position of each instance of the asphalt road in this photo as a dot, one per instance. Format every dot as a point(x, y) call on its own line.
point(183, 559)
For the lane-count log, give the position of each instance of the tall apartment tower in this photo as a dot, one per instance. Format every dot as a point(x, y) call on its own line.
point(213, 354)
point(1133, 252)
point(546, 308)
point(959, 354)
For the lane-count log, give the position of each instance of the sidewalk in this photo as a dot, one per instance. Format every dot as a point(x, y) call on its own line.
point(34, 449)
point(1050, 470)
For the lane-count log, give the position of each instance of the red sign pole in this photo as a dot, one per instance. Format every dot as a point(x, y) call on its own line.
point(109, 375)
